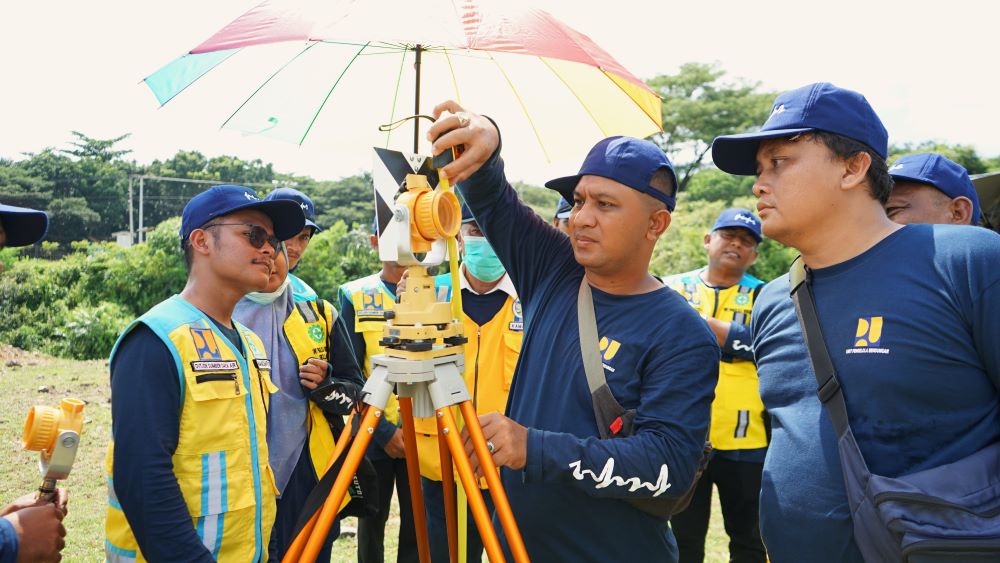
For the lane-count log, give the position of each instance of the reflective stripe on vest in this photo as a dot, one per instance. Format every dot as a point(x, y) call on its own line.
point(737, 411)
point(227, 487)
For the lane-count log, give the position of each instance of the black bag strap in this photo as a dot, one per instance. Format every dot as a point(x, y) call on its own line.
point(828, 386)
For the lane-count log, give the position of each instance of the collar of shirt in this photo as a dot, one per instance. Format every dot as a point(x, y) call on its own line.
point(505, 285)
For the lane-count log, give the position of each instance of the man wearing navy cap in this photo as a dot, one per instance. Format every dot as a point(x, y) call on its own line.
point(723, 293)
point(188, 474)
point(30, 530)
point(929, 188)
point(560, 219)
point(20, 226)
point(909, 314)
point(566, 485)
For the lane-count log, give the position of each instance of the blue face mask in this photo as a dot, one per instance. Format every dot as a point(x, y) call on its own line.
point(481, 261)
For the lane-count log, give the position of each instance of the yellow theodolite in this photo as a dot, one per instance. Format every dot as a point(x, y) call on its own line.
point(55, 432)
point(423, 363)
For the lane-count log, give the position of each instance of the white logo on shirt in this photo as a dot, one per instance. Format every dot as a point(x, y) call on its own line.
point(607, 478)
point(739, 346)
point(339, 397)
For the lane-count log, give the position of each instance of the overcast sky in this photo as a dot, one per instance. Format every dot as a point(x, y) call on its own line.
point(929, 69)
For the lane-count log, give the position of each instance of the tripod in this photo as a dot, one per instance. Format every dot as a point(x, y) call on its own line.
point(428, 379)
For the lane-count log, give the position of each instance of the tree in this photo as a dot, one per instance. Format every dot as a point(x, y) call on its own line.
point(698, 106)
point(715, 185)
point(350, 199)
point(100, 149)
point(71, 219)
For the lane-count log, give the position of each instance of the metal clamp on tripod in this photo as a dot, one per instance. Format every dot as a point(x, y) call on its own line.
point(423, 361)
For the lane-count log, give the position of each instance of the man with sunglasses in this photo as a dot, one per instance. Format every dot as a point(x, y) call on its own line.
point(724, 294)
point(188, 474)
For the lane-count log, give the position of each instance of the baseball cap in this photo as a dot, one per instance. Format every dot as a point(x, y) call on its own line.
point(308, 209)
point(816, 107)
point(286, 215)
point(563, 210)
point(935, 170)
point(23, 226)
point(739, 217)
point(467, 216)
point(626, 160)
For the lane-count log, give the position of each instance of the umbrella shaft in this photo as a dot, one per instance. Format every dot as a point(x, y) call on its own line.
point(416, 102)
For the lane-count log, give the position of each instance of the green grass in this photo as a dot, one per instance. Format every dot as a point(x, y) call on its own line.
point(88, 494)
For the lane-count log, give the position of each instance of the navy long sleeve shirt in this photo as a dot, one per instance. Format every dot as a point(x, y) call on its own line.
point(659, 358)
point(912, 326)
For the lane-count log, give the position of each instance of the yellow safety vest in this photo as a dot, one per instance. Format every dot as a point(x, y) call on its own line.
point(737, 411)
point(221, 460)
point(371, 299)
point(307, 330)
point(490, 358)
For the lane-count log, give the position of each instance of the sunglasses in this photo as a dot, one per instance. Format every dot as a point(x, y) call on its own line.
point(257, 235)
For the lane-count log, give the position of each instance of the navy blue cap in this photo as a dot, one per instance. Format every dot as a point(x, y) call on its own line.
point(739, 217)
point(563, 210)
point(467, 216)
point(286, 215)
point(23, 226)
point(935, 170)
point(625, 160)
point(816, 107)
point(308, 209)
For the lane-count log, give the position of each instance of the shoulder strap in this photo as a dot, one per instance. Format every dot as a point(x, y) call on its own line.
point(829, 391)
point(589, 347)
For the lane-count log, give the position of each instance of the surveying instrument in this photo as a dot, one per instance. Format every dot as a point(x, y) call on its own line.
point(423, 361)
point(55, 433)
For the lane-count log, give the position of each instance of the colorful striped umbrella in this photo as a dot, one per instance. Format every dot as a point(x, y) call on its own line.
point(352, 68)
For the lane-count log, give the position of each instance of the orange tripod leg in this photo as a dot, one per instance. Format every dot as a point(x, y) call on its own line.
point(332, 504)
point(471, 485)
point(448, 487)
point(413, 476)
point(342, 441)
point(500, 502)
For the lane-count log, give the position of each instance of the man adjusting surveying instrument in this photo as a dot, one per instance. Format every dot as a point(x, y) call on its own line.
point(423, 360)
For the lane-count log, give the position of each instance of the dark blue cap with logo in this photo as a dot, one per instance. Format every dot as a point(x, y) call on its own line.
point(739, 217)
point(308, 209)
point(816, 107)
point(935, 170)
point(23, 226)
point(563, 210)
point(625, 160)
point(286, 215)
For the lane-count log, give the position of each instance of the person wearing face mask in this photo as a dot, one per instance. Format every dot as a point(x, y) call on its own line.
point(310, 357)
point(494, 326)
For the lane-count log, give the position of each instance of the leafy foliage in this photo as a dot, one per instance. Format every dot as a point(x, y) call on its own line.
point(698, 106)
point(71, 294)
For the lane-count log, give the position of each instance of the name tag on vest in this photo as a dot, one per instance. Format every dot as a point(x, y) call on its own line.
point(264, 365)
point(217, 365)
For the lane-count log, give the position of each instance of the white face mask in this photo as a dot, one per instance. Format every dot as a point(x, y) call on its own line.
point(262, 298)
